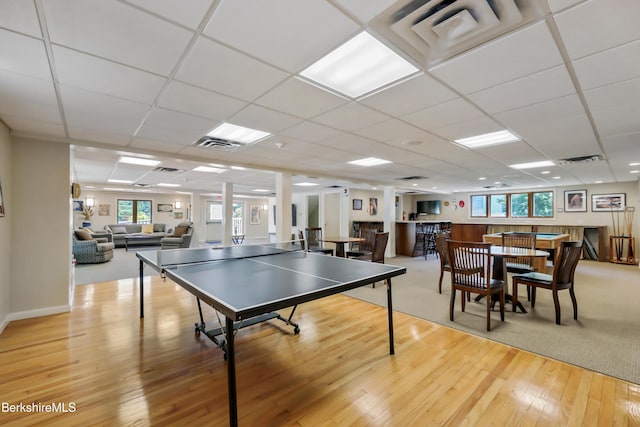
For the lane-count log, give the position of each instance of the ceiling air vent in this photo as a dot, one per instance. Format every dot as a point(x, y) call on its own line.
point(141, 185)
point(412, 178)
point(217, 143)
point(581, 159)
point(168, 170)
point(434, 30)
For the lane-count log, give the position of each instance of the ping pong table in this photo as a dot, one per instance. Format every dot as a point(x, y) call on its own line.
point(248, 284)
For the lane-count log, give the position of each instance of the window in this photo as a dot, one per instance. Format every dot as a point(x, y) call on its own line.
point(513, 205)
point(215, 213)
point(498, 204)
point(134, 211)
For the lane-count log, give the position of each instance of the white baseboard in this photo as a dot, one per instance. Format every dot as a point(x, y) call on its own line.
point(4, 324)
point(47, 311)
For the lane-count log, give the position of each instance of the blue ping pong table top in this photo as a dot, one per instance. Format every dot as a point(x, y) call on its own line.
point(246, 281)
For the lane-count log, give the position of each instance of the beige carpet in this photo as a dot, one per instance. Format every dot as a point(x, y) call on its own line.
point(605, 338)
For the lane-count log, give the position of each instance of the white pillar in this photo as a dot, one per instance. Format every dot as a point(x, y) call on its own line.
point(283, 207)
point(199, 218)
point(390, 219)
point(227, 213)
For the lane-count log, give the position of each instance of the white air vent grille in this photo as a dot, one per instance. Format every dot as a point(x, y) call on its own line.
point(218, 143)
point(433, 30)
point(581, 159)
point(168, 170)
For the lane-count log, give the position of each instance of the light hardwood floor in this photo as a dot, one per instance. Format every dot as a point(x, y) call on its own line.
point(119, 370)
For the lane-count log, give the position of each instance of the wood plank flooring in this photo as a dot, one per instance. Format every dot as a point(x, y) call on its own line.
point(119, 370)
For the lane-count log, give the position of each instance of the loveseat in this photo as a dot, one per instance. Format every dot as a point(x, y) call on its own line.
point(152, 238)
point(181, 237)
point(89, 250)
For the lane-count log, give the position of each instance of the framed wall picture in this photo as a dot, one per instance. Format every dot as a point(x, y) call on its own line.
point(254, 214)
point(165, 207)
point(373, 206)
point(357, 204)
point(103, 210)
point(608, 202)
point(575, 201)
point(2, 210)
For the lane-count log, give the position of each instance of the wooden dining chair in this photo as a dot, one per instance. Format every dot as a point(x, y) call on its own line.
point(306, 246)
point(471, 273)
point(443, 255)
point(377, 253)
point(562, 278)
point(523, 264)
point(365, 247)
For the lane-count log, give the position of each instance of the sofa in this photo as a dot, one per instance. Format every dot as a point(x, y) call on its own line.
point(153, 238)
point(89, 250)
point(180, 238)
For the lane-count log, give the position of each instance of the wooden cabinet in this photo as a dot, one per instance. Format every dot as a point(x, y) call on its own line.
point(468, 232)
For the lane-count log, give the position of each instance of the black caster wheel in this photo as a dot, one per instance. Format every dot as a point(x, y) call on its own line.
point(296, 330)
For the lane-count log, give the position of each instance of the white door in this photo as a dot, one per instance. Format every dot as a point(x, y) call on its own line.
point(331, 214)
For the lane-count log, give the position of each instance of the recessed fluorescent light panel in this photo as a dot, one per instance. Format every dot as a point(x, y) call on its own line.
point(236, 133)
point(139, 161)
point(493, 138)
point(361, 65)
point(208, 169)
point(369, 161)
point(162, 184)
point(306, 184)
point(120, 181)
point(542, 164)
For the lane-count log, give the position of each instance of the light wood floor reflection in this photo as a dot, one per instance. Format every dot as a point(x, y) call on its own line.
point(119, 370)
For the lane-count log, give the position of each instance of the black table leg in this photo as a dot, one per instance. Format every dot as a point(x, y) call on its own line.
point(141, 289)
point(390, 314)
point(231, 374)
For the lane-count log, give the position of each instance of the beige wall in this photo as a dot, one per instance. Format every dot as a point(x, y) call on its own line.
point(5, 226)
point(40, 214)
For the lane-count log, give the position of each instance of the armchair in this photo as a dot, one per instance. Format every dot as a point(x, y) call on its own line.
point(181, 237)
point(89, 250)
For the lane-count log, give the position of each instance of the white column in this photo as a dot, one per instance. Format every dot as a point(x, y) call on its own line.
point(198, 217)
point(390, 219)
point(227, 213)
point(283, 207)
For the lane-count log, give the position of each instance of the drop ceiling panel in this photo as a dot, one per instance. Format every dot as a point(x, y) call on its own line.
point(154, 145)
point(364, 10)
point(96, 135)
point(104, 113)
point(523, 52)
point(34, 127)
point(300, 99)
point(350, 117)
point(468, 128)
point(415, 94)
point(617, 120)
point(28, 97)
point(441, 115)
point(545, 85)
point(118, 32)
point(20, 15)
point(271, 30)
point(392, 131)
point(199, 102)
point(609, 67)
point(213, 66)
point(309, 131)
point(598, 25)
point(256, 117)
point(511, 153)
point(174, 128)
point(23, 55)
point(185, 12)
point(106, 77)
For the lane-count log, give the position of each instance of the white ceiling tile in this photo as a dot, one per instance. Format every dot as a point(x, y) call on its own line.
point(23, 55)
point(625, 93)
point(444, 114)
point(350, 117)
point(34, 127)
point(271, 30)
point(109, 78)
point(213, 66)
point(300, 99)
point(468, 128)
point(20, 15)
point(260, 118)
point(154, 145)
point(412, 95)
point(620, 119)
point(612, 66)
point(511, 153)
point(199, 102)
point(309, 131)
point(523, 52)
point(116, 31)
point(392, 131)
point(28, 97)
point(100, 136)
point(185, 12)
point(597, 25)
point(542, 86)
point(174, 127)
point(365, 10)
point(558, 5)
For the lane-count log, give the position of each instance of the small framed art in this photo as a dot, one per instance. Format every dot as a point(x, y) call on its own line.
point(575, 201)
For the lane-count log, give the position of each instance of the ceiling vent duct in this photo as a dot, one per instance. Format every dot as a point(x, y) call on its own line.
point(412, 178)
point(217, 143)
point(434, 30)
point(581, 159)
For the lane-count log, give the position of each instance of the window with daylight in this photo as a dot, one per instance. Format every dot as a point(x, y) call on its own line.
point(134, 211)
point(535, 204)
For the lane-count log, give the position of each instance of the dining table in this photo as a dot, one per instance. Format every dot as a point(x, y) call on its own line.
point(340, 242)
point(499, 267)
